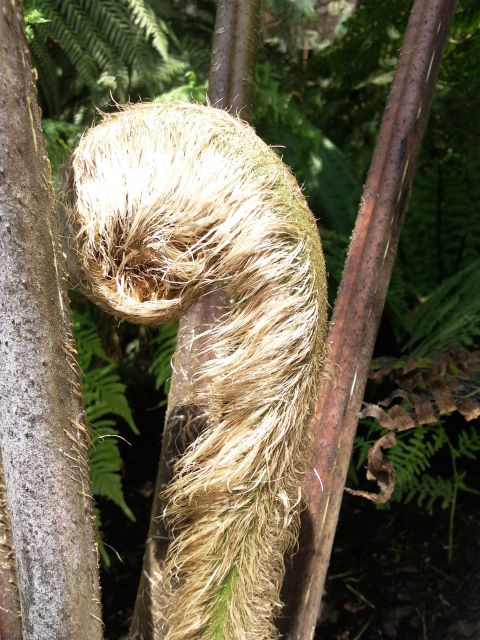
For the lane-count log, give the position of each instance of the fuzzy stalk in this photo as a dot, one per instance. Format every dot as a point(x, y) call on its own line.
point(231, 87)
point(165, 203)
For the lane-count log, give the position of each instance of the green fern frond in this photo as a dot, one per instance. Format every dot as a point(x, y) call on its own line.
point(47, 70)
point(106, 465)
point(109, 47)
point(31, 17)
point(113, 22)
point(104, 394)
point(428, 490)
point(190, 91)
point(410, 459)
point(105, 399)
point(60, 137)
point(368, 433)
point(68, 40)
point(468, 443)
point(450, 315)
point(89, 345)
point(151, 25)
point(93, 41)
point(164, 346)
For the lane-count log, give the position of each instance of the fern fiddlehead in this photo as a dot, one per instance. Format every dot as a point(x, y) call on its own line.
point(165, 202)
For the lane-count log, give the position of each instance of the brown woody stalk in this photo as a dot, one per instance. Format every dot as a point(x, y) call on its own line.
point(360, 302)
point(232, 70)
point(42, 431)
point(231, 87)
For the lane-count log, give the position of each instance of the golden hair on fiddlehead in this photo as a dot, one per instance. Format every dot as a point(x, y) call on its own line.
point(166, 202)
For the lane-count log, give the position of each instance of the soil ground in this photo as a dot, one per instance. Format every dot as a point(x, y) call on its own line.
point(390, 578)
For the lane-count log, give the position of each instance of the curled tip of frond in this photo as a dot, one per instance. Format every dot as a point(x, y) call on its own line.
point(165, 202)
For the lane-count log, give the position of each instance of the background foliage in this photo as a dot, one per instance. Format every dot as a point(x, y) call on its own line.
point(319, 102)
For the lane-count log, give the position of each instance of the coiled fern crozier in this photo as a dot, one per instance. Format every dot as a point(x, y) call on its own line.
point(166, 202)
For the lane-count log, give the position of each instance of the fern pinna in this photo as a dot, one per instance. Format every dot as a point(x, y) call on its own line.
point(105, 401)
point(164, 203)
point(83, 49)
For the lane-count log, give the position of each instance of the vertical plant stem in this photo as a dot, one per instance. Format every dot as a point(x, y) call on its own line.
point(231, 87)
point(232, 71)
point(453, 506)
point(359, 305)
point(42, 436)
point(439, 221)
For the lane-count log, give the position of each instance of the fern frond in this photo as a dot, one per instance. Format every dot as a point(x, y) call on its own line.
point(111, 46)
point(106, 465)
point(60, 137)
point(408, 462)
point(468, 443)
point(450, 315)
point(113, 22)
point(161, 366)
point(411, 457)
point(68, 40)
point(189, 91)
point(104, 394)
point(89, 345)
point(32, 16)
point(105, 399)
point(93, 41)
point(47, 70)
point(427, 490)
point(151, 25)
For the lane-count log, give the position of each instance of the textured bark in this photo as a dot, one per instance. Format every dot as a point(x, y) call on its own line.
point(147, 622)
point(232, 70)
point(360, 302)
point(43, 436)
point(10, 616)
point(231, 86)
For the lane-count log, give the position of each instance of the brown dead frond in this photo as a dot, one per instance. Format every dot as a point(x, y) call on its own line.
point(426, 388)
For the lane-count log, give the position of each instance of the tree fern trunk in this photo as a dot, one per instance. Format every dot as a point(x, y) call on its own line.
point(43, 437)
point(10, 616)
